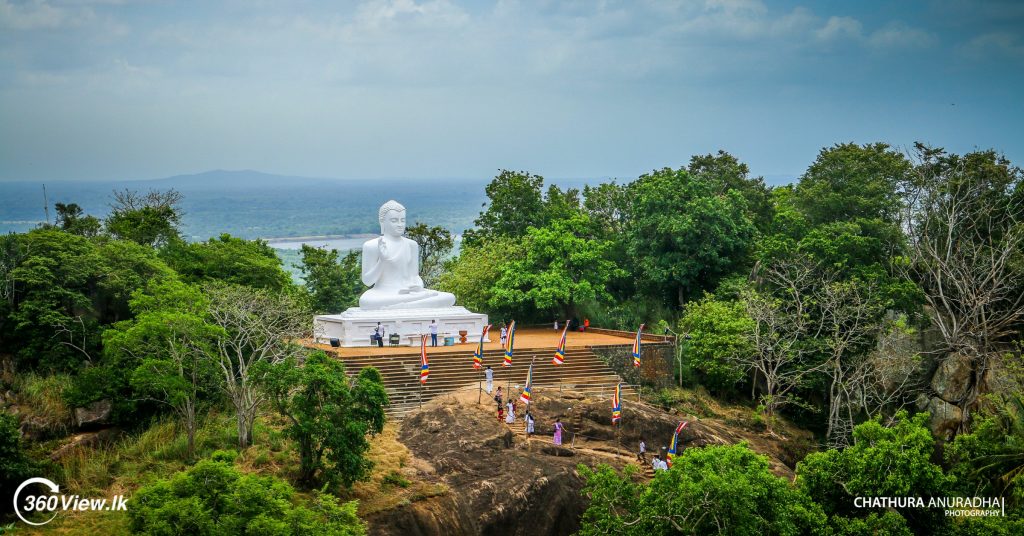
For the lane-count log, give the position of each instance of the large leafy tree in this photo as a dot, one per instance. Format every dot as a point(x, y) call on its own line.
point(169, 344)
point(719, 331)
point(228, 259)
point(891, 460)
point(61, 288)
point(329, 415)
point(684, 235)
point(72, 219)
point(562, 265)
point(729, 173)
point(710, 490)
point(332, 285)
point(149, 219)
point(471, 276)
point(515, 203)
point(848, 182)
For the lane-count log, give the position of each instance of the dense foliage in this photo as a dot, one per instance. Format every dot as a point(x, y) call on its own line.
point(329, 415)
point(723, 490)
point(213, 497)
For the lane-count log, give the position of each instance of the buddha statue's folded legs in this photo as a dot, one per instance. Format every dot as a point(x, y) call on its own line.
point(379, 299)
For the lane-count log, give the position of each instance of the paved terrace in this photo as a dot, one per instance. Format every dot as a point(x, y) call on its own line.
point(526, 339)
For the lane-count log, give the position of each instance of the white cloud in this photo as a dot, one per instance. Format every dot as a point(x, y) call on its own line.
point(993, 45)
point(840, 28)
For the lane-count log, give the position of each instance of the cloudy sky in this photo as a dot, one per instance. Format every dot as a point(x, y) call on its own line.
point(452, 88)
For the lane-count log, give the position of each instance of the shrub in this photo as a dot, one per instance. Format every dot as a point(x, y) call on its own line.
point(213, 497)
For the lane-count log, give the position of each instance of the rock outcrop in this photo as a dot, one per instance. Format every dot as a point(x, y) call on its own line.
point(93, 415)
point(501, 482)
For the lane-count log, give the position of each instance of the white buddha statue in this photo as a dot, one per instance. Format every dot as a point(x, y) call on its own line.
point(391, 268)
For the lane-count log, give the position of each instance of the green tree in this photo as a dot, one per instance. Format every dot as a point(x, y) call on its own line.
point(729, 173)
point(516, 202)
point(435, 245)
point(710, 490)
point(329, 415)
point(72, 219)
point(149, 219)
point(848, 182)
point(607, 206)
point(561, 266)
point(718, 330)
point(561, 204)
point(684, 236)
point(989, 461)
point(472, 275)
point(884, 461)
point(333, 286)
point(228, 259)
point(213, 498)
point(169, 343)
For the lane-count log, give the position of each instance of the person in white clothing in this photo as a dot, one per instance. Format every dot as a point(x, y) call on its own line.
point(433, 333)
point(529, 423)
point(504, 335)
point(489, 374)
point(510, 412)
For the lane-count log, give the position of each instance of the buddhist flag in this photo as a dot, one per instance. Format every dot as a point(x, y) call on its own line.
point(424, 366)
point(478, 356)
point(675, 442)
point(510, 344)
point(617, 404)
point(560, 352)
point(636, 347)
point(528, 389)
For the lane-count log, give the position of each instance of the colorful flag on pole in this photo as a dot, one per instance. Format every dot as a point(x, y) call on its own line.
point(510, 345)
point(560, 352)
point(675, 442)
point(636, 347)
point(617, 404)
point(528, 389)
point(424, 366)
point(478, 356)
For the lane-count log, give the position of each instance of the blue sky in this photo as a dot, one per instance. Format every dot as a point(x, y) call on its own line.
point(445, 88)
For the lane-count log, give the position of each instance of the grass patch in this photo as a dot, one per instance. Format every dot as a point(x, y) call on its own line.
point(41, 398)
point(394, 479)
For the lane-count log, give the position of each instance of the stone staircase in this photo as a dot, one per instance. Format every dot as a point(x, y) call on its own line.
point(582, 371)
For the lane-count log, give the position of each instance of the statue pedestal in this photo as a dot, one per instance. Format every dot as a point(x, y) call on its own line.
point(355, 326)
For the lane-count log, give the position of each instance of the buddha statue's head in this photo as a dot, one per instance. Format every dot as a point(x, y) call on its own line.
point(392, 218)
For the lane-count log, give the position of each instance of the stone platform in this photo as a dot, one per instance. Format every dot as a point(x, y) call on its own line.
point(355, 326)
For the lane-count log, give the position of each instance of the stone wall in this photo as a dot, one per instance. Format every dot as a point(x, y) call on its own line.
point(657, 363)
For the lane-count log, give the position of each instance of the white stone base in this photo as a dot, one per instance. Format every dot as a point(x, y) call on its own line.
point(355, 326)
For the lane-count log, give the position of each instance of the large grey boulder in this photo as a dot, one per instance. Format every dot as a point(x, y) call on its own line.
point(945, 418)
point(1003, 375)
point(953, 377)
point(95, 414)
